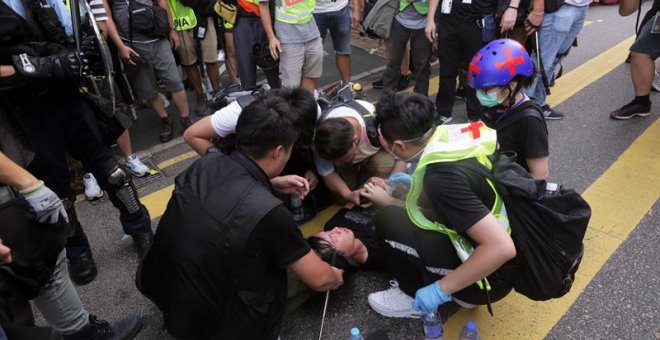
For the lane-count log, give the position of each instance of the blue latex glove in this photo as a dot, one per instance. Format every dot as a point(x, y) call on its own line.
point(427, 299)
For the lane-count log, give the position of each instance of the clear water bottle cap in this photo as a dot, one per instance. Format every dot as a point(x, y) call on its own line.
point(355, 332)
point(471, 326)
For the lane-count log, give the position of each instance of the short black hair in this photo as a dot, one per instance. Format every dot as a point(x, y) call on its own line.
point(267, 122)
point(333, 138)
point(321, 247)
point(324, 250)
point(404, 115)
point(303, 103)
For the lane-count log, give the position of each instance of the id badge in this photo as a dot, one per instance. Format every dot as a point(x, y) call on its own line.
point(655, 29)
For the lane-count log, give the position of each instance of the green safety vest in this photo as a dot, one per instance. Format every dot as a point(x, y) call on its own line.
point(183, 16)
point(451, 143)
point(422, 7)
point(295, 12)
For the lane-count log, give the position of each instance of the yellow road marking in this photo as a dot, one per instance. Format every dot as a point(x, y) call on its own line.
point(182, 157)
point(585, 74)
point(587, 23)
point(618, 201)
point(156, 202)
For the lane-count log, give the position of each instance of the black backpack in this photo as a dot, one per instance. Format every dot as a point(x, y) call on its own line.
point(345, 95)
point(547, 229)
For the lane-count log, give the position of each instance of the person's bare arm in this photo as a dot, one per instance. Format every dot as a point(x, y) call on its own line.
point(267, 22)
point(535, 17)
point(430, 30)
point(317, 274)
point(13, 175)
point(538, 167)
point(356, 15)
point(174, 37)
point(494, 248)
point(124, 51)
point(628, 7)
point(199, 134)
point(337, 185)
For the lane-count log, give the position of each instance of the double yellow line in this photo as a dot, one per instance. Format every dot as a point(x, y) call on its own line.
point(618, 200)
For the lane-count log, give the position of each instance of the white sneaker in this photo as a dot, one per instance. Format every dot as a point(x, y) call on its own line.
point(656, 82)
point(393, 303)
point(135, 166)
point(92, 189)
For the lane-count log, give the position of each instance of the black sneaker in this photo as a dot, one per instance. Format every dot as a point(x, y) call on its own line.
point(551, 114)
point(82, 268)
point(632, 109)
point(378, 84)
point(124, 329)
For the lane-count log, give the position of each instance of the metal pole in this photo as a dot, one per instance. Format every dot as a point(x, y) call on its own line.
point(327, 298)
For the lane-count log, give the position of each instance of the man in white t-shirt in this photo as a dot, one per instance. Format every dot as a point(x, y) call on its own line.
point(337, 17)
point(341, 140)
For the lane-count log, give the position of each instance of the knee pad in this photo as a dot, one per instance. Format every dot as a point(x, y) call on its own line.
point(121, 190)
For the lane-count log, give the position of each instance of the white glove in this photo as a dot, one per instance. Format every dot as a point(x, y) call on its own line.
point(45, 203)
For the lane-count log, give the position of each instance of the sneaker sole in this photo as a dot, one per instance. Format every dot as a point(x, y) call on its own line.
point(642, 114)
point(553, 118)
point(401, 315)
point(92, 199)
point(137, 174)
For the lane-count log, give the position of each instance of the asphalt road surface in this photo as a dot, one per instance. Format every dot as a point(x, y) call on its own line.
point(615, 164)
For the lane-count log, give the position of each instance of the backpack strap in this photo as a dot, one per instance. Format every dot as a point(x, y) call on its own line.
point(368, 117)
point(527, 108)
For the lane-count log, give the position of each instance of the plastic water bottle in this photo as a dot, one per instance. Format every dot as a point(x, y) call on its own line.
point(432, 326)
point(297, 208)
point(469, 332)
point(355, 334)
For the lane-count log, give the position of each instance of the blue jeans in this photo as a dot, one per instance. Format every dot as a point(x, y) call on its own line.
point(339, 25)
point(556, 35)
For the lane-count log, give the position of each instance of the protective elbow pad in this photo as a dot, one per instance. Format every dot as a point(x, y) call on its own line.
point(123, 190)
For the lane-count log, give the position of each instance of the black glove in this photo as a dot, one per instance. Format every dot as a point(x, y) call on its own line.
point(67, 64)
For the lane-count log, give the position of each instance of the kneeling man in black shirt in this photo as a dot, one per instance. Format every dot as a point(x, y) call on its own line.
point(448, 204)
point(217, 267)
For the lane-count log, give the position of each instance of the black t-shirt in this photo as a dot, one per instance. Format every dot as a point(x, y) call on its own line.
point(472, 11)
point(459, 198)
point(527, 137)
point(278, 235)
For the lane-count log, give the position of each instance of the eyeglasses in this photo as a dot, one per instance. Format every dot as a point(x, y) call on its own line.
point(390, 150)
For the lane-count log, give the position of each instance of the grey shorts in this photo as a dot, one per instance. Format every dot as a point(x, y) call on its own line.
point(647, 42)
point(300, 60)
point(159, 64)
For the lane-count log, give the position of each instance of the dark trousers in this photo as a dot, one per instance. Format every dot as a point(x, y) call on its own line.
point(60, 122)
point(248, 32)
point(417, 257)
point(458, 42)
point(420, 51)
